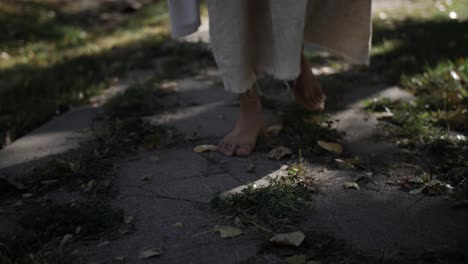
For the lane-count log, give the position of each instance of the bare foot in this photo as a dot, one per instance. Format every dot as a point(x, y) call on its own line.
point(308, 90)
point(250, 124)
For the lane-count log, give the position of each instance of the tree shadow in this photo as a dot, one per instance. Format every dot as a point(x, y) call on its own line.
point(28, 22)
point(32, 93)
point(39, 92)
point(409, 46)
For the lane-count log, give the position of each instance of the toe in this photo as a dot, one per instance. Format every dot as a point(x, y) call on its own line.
point(244, 150)
point(220, 146)
point(230, 150)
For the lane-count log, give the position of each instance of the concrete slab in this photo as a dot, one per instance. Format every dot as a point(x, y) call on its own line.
point(54, 137)
point(193, 242)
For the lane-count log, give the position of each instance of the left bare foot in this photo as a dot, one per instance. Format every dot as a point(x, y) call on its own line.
point(308, 90)
point(250, 124)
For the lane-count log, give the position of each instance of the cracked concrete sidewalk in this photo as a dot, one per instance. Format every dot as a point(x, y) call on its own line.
point(171, 206)
point(182, 182)
point(179, 184)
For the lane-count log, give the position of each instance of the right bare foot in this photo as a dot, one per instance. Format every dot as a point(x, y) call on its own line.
point(308, 90)
point(242, 139)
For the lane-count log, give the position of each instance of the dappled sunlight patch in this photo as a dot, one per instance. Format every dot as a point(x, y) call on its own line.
point(432, 124)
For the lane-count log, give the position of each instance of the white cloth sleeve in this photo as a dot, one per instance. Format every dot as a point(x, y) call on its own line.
point(184, 16)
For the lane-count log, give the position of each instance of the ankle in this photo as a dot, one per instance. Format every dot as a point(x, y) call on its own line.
point(250, 99)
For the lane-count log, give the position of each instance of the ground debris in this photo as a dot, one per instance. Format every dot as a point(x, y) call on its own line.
point(289, 239)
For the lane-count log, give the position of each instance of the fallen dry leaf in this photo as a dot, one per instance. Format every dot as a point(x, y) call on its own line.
point(274, 130)
point(279, 152)
point(150, 253)
point(351, 185)
point(178, 225)
point(383, 115)
point(289, 239)
point(204, 148)
point(124, 231)
point(417, 191)
point(330, 146)
point(296, 259)
point(27, 195)
point(119, 259)
point(65, 239)
point(128, 219)
point(103, 244)
point(228, 231)
point(344, 165)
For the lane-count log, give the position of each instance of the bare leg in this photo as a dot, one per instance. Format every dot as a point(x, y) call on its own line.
point(307, 88)
point(242, 139)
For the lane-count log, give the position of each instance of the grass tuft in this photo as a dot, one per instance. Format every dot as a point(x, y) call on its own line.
point(39, 233)
point(282, 203)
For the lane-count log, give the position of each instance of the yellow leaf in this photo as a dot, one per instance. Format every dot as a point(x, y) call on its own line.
point(204, 148)
point(128, 219)
point(228, 231)
point(279, 153)
point(274, 130)
point(27, 195)
point(330, 146)
point(289, 239)
point(150, 253)
point(351, 185)
point(103, 244)
point(119, 259)
point(178, 225)
point(343, 164)
point(65, 239)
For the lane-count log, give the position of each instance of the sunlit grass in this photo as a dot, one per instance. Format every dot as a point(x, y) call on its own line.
point(424, 52)
point(52, 58)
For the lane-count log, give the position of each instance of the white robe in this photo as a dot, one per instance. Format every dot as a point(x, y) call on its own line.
point(252, 37)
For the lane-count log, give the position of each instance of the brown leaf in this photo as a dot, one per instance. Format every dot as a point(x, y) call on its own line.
point(289, 239)
point(204, 148)
point(119, 259)
point(331, 146)
point(103, 244)
point(65, 239)
point(351, 185)
point(342, 164)
point(27, 195)
point(178, 225)
point(150, 253)
point(128, 219)
point(279, 152)
point(274, 130)
point(228, 231)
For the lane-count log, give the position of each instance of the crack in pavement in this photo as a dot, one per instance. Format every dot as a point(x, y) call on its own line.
point(161, 196)
point(219, 164)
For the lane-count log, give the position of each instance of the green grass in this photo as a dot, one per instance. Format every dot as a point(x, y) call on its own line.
point(121, 130)
point(425, 54)
point(59, 58)
point(90, 168)
point(38, 235)
point(280, 204)
point(304, 128)
point(408, 41)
